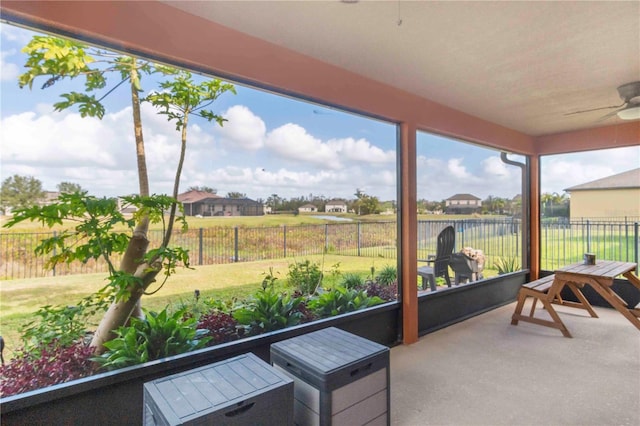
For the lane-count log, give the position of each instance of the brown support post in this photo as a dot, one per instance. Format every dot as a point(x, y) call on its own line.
point(534, 220)
point(408, 230)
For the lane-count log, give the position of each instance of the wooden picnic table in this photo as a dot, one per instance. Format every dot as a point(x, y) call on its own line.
point(599, 276)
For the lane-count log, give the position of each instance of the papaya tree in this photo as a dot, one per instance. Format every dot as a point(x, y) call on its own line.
point(180, 97)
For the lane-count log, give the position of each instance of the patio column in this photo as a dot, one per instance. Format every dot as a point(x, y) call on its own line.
point(534, 219)
point(408, 228)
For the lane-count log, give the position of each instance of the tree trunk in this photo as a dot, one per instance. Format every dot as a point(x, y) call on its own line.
point(119, 312)
point(139, 242)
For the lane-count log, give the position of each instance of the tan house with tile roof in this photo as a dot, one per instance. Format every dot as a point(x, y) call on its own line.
point(463, 204)
point(616, 196)
point(201, 203)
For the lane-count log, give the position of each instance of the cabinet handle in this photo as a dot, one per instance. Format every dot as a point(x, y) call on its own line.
point(358, 370)
point(239, 410)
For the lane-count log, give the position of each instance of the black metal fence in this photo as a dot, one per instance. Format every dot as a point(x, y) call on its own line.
point(561, 243)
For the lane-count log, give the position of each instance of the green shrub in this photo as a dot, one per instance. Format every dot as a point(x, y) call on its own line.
point(387, 276)
point(305, 277)
point(159, 335)
point(351, 281)
point(506, 265)
point(341, 300)
point(60, 326)
point(268, 310)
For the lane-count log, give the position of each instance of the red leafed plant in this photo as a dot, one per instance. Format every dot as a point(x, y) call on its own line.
point(221, 327)
point(55, 365)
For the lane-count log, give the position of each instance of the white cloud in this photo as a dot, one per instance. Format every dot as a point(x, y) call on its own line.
point(243, 130)
point(438, 179)
point(292, 142)
point(457, 169)
point(56, 147)
point(8, 71)
point(360, 150)
point(559, 172)
point(495, 167)
point(15, 34)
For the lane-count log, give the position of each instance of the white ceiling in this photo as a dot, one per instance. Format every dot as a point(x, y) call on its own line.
point(523, 65)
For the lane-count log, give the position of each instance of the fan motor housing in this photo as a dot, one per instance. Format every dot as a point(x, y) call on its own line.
point(630, 92)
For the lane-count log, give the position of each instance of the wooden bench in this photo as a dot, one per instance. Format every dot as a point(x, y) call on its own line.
point(543, 289)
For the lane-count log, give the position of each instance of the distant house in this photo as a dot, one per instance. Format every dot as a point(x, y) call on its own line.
point(616, 196)
point(307, 208)
point(200, 203)
point(335, 206)
point(463, 204)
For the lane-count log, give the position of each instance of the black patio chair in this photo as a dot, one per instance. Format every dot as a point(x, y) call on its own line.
point(465, 268)
point(440, 261)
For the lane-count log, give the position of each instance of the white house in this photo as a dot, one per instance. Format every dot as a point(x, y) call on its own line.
point(335, 206)
point(307, 208)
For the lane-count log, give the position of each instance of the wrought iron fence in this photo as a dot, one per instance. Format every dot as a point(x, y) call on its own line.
point(562, 242)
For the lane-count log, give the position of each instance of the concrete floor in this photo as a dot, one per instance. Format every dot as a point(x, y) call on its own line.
point(484, 371)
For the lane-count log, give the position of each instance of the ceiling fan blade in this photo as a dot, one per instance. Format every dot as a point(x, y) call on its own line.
point(611, 114)
point(596, 109)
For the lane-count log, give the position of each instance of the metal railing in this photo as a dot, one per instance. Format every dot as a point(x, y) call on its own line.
point(562, 242)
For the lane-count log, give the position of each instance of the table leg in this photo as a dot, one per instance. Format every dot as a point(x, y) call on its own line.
point(583, 302)
point(614, 301)
point(635, 281)
point(556, 318)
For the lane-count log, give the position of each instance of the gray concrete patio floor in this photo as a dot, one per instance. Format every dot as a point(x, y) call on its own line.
point(484, 371)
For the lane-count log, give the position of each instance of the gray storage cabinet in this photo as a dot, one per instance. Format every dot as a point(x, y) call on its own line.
point(243, 390)
point(339, 378)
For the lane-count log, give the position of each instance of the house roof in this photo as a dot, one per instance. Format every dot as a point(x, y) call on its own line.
point(336, 202)
point(194, 196)
point(464, 197)
point(231, 201)
point(628, 179)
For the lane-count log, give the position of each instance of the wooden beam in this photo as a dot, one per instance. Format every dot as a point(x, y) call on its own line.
point(408, 217)
point(534, 220)
point(615, 136)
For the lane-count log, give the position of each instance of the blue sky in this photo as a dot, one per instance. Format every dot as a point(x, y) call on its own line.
point(270, 145)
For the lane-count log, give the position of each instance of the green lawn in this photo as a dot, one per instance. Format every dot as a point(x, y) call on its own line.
point(20, 298)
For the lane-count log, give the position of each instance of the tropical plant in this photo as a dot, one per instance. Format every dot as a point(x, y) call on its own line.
point(158, 335)
point(387, 276)
point(351, 280)
point(59, 326)
point(179, 98)
point(506, 265)
point(305, 276)
point(269, 279)
point(268, 310)
point(340, 300)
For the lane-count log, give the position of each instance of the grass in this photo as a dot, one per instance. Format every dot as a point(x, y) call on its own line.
point(247, 221)
point(20, 298)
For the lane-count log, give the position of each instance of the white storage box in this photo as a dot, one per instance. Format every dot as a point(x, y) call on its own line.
point(243, 390)
point(339, 378)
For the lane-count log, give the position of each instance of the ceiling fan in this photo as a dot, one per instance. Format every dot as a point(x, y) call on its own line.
point(628, 110)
